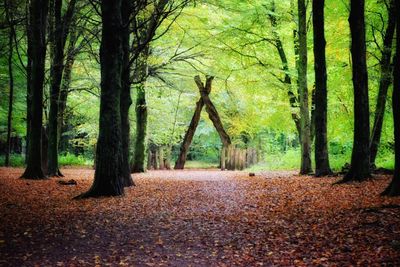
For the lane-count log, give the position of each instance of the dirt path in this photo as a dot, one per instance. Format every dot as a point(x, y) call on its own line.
point(198, 218)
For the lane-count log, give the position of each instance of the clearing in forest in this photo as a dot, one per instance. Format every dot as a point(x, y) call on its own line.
point(198, 218)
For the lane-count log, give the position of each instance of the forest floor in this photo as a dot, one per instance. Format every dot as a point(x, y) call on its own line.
point(199, 218)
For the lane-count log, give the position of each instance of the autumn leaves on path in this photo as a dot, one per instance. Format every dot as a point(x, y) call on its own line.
point(198, 218)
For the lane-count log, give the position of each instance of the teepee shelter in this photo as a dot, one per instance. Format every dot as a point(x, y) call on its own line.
point(204, 100)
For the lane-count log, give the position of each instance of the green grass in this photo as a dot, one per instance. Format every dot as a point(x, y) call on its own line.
point(273, 162)
point(291, 161)
point(68, 159)
point(194, 164)
point(73, 160)
point(16, 160)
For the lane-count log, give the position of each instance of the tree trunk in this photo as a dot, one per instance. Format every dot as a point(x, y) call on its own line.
point(161, 157)
point(360, 168)
point(126, 99)
point(394, 187)
point(59, 36)
point(384, 83)
point(141, 128)
point(37, 53)
point(57, 57)
point(11, 81)
point(303, 91)
point(322, 167)
point(108, 177)
point(28, 85)
point(187, 140)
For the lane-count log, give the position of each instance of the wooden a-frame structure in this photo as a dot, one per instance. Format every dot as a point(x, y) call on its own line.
point(212, 114)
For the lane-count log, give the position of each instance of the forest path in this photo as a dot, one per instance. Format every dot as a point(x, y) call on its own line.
point(198, 218)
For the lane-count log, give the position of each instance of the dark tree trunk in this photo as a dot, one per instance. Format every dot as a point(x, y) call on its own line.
point(57, 54)
point(126, 99)
point(141, 128)
point(59, 36)
point(303, 91)
point(141, 71)
point(108, 178)
point(293, 100)
point(384, 83)
point(322, 167)
point(10, 81)
point(37, 53)
point(360, 169)
point(394, 187)
point(28, 85)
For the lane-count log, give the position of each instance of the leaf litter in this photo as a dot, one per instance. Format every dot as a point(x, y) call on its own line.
point(199, 218)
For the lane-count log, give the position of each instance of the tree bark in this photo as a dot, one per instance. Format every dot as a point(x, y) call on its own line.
point(141, 129)
point(384, 82)
point(322, 167)
point(187, 140)
point(59, 34)
point(108, 180)
point(360, 158)
point(394, 187)
point(11, 36)
point(211, 110)
point(37, 53)
point(126, 99)
point(303, 91)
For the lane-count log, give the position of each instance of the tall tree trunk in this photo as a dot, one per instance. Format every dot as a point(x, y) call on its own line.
point(59, 36)
point(141, 129)
point(360, 168)
point(322, 166)
point(384, 82)
point(11, 79)
point(57, 54)
point(303, 91)
point(108, 178)
point(28, 84)
point(37, 41)
point(394, 187)
point(141, 72)
point(126, 99)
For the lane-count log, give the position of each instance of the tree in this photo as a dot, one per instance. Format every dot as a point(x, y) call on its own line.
point(144, 29)
point(360, 168)
point(125, 97)
point(293, 99)
point(11, 36)
point(384, 82)
point(305, 126)
point(394, 187)
point(58, 40)
point(37, 53)
point(108, 174)
point(141, 70)
point(322, 167)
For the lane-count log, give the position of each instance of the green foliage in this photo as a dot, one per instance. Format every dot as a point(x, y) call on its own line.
point(73, 160)
point(230, 40)
point(16, 160)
